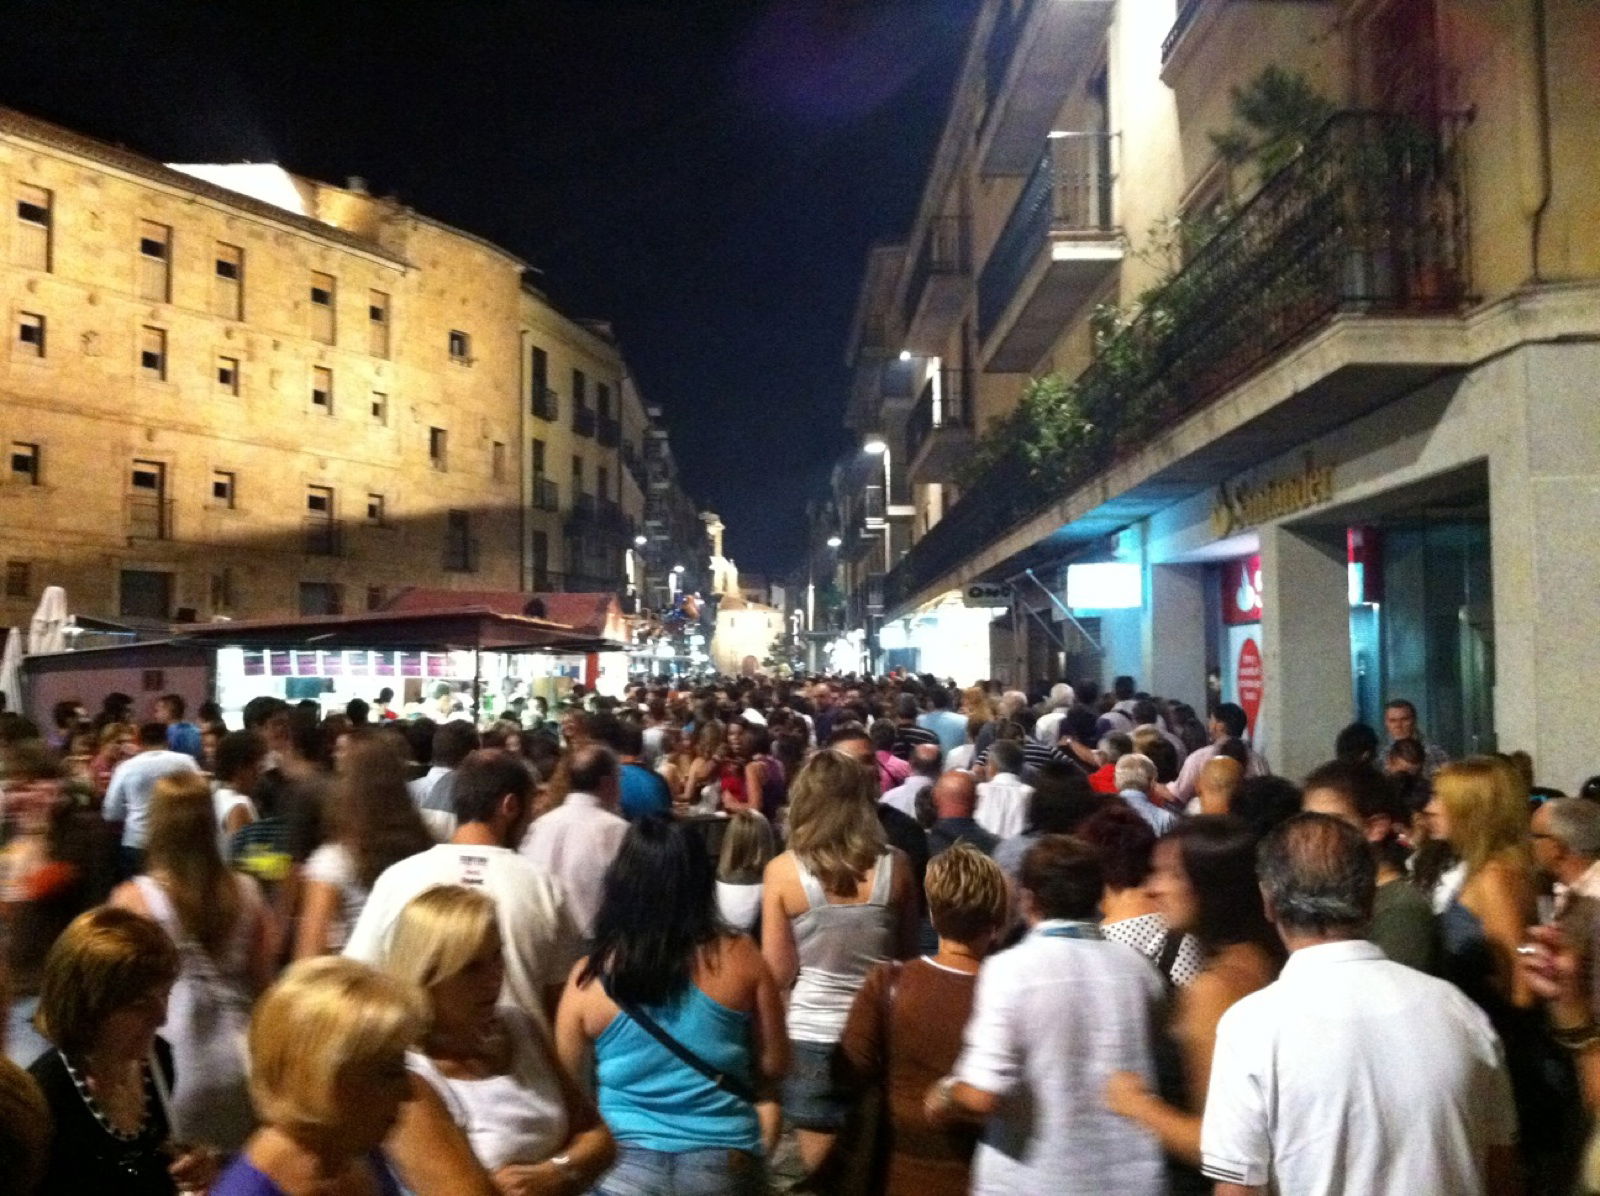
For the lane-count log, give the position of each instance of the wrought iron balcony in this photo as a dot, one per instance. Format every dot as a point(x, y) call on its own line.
point(1033, 58)
point(149, 517)
point(546, 494)
point(610, 432)
point(939, 432)
point(546, 404)
point(322, 537)
point(1188, 10)
point(599, 521)
point(583, 420)
point(1369, 218)
point(1058, 246)
point(936, 292)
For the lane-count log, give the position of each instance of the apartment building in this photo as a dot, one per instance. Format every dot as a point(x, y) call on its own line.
point(1239, 346)
point(233, 391)
point(673, 557)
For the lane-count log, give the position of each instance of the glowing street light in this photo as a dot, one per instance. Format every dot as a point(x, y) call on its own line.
point(834, 541)
point(641, 541)
point(876, 445)
point(677, 568)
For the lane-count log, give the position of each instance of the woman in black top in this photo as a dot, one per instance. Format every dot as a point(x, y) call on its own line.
point(102, 998)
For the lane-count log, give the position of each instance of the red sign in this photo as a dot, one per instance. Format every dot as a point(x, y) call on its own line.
point(1241, 591)
point(1250, 682)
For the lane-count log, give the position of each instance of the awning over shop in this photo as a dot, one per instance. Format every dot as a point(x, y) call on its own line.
point(464, 628)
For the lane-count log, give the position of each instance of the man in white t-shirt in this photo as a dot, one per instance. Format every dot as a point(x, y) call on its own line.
point(576, 841)
point(1003, 800)
point(493, 795)
point(1351, 1073)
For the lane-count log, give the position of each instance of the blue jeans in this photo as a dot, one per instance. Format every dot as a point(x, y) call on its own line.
point(716, 1172)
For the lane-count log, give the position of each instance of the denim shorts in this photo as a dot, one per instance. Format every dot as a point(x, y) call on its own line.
point(715, 1172)
point(811, 1098)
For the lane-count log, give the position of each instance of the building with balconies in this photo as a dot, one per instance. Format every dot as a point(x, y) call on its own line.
point(1259, 382)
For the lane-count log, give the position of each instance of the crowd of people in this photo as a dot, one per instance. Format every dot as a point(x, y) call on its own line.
point(841, 935)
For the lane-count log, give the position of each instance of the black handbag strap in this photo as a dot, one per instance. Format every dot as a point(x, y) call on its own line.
point(1170, 947)
point(732, 1085)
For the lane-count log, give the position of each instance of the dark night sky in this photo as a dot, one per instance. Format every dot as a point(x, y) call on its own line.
point(706, 173)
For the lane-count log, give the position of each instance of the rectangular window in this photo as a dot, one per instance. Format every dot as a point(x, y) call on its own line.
point(538, 458)
point(577, 475)
point(602, 399)
point(541, 560)
point(148, 517)
point(321, 598)
point(538, 380)
point(322, 389)
point(580, 389)
point(375, 510)
point(438, 446)
point(227, 282)
point(155, 261)
point(33, 227)
point(497, 461)
point(222, 590)
point(30, 334)
point(460, 346)
point(228, 375)
point(25, 463)
point(222, 488)
point(323, 289)
point(145, 594)
point(319, 501)
point(375, 597)
point(458, 554)
point(19, 579)
point(603, 482)
point(380, 407)
point(153, 353)
point(377, 323)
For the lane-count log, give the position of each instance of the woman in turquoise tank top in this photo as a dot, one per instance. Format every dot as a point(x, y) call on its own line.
point(679, 1022)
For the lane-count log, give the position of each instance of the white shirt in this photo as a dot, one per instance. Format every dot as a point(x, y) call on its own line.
point(739, 905)
point(575, 843)
point(903, 796)
point(132, 784)
point(1003, 805)
point(1352, 1073)
point(332, 864)
point(225, 801)
point(960, 758)
point(1046, 730)
point(536, 925)
point(1185, 787)
point(1051, 1020)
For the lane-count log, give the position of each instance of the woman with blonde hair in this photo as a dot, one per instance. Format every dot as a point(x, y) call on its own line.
point(374, 823)
point(491, 1074)
point(328, 1077)
point(839, 901)
point(747, 849)
point(227, 942)
point(906, 1023)
point(705, 771)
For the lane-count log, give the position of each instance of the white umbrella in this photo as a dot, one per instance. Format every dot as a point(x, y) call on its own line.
point(45, 632)
point(11, 671)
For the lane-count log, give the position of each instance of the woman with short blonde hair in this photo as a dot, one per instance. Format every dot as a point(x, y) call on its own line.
point(328, 1078)
point(836, 903)
point(227, 942)
point(493, 1081)
point(747, 849)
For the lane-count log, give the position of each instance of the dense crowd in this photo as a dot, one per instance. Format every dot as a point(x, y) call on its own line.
point(847, 935)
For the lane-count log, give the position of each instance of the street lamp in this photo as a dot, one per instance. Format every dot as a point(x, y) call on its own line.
point(834, 541)
point(677, 568)
point(876, 445)
point(641, 541)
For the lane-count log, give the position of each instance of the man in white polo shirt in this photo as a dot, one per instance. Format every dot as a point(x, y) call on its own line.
point(1351, 1074)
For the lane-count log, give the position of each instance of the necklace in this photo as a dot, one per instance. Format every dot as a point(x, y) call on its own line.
point(81, 1083)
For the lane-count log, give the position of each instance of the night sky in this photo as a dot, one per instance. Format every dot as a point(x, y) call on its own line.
point(708, 174)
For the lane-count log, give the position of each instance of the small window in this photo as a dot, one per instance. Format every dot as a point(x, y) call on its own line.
point(32, 247)
point(222, 597)
point(437, 447)
point(375, 597)
point(323, 289)
point(380, 408)
point(228, 267)
point(538, 457)
point(497, 461)
point(580, 389)
point(34, 211)
point(577, 475)
point(19, 579)
point(322, 389)
point(375, 510)
point(228, 375)
point(227, 284)
point(25, 464)
point(153, 353)
point(30, 334)
point(378, 323)
point(602, 399)
point(155, 267)
point(322, 293)
point(603, 482)
point(319, 500)
point(146, 476)
point(460, 346)
point(222, 488)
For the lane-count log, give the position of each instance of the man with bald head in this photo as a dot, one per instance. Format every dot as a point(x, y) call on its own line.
point(577, 841)
point(955, 797)
point(925, 760)
point(1218, 782)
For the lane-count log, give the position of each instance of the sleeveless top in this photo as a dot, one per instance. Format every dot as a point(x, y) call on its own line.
point(653, 1100)
point(519, 1117)
point(837, 944)
point(208, 1016)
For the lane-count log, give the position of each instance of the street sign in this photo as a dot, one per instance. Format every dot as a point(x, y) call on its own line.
point(984, 593)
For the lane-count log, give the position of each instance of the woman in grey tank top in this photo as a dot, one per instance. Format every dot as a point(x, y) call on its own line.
point(837, 902)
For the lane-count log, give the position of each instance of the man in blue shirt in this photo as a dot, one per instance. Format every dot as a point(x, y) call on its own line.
point(181, 736)
point(950, 727)
point(644, 793)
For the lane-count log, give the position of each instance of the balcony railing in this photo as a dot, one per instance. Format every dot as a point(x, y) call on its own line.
point(610, 432)
point(583, 421)
point(1370, 217)
point(149, 517)
point(546, 404)
point(872, 504)
point(322, 537)
point(546, 494)
point(1069, 193)
point(1188, 10)
point(946, 250)
point(944, 403)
